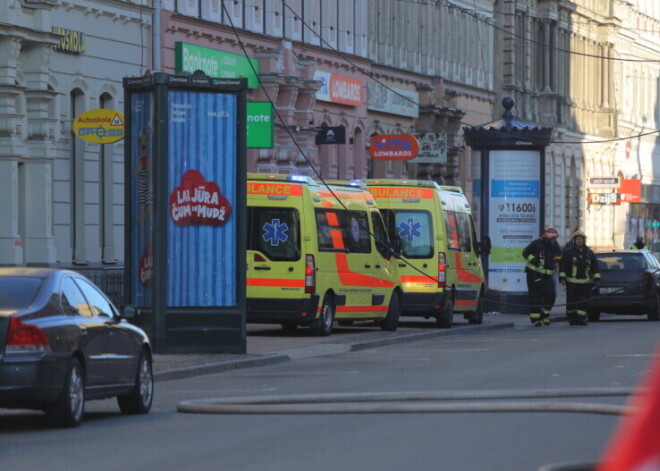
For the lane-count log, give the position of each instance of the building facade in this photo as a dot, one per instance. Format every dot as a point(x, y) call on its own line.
point(63, 197)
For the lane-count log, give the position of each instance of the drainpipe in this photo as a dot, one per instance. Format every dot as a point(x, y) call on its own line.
point(156, 35)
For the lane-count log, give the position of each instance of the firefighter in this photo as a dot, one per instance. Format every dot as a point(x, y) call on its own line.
point(540, 256)
point(639, 244)
point(578, 272)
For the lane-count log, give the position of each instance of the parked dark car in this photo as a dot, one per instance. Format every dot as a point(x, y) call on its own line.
point(62, 342)
point(630, 284)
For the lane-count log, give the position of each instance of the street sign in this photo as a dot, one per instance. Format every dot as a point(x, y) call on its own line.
point(603, 182)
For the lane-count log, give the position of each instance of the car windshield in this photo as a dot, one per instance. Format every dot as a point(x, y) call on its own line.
point(17, 292)
point(621, 261)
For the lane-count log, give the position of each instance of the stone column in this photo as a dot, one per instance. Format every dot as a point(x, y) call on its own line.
point(12, 148)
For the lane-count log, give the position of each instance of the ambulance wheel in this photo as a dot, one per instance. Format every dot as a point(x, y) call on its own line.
point(477, 317)
point(323, 325)
point(391, 322)
point(446, 317)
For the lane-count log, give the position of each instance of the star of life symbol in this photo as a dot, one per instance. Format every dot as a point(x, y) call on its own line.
point(275, 232)
point(410, 230)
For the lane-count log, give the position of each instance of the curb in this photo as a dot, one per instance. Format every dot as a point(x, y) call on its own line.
point(199, 370)
point(411, 337)
point(313, 350)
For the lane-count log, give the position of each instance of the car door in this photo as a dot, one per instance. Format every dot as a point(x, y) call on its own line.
point(121, 349)
point(91, 334)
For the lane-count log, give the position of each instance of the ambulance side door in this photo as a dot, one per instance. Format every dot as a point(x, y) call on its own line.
point(385, 268)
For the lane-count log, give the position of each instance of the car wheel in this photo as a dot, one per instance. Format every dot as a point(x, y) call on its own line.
point(289, 326)
point(653, 314)
point(593, 315)
point(445, 318)
point(391, 322)
point(323, 325)
point(69, 408)
point(139, 400)
point(477, 317)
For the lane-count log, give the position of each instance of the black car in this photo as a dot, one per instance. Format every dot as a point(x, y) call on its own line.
point(63, 342)
point(630, 284)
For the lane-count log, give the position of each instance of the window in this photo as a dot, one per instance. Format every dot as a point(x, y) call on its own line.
point(275, 232)
point(72, 299)
point(453, 238)
point(343, 230)
point(380, 235)
point(464, 232)
point(18, 292)
point(99, 303)
point(415, 229)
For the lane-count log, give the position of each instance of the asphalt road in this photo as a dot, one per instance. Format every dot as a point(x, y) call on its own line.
point(613, 353)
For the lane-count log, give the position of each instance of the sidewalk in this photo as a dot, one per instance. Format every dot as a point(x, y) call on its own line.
point(269, 344)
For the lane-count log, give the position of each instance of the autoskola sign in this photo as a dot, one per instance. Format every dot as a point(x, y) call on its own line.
point(393, 147)
point(100, 126)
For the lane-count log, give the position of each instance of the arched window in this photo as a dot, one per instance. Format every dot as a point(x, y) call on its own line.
point(77, 183)
point(105, 189)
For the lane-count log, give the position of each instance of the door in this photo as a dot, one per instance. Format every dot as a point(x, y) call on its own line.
point(121, 350)
point(91, 330)
point(469, 273)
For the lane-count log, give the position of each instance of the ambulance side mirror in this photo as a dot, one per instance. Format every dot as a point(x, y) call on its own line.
point(396, 245)
point(484, 246)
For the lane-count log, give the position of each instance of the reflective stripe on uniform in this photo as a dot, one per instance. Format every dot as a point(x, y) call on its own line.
point(579, 281)
point(538, 269)
point(534, 315)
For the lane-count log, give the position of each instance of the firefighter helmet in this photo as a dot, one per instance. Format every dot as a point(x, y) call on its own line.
point(550, 233)
point(579, 234)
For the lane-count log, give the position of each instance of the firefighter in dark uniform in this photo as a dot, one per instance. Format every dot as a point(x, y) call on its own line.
point(639, 244)
point(578, 272)
point(540, 256)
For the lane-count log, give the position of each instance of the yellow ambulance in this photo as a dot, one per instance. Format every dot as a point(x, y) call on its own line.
point(440, 266)
point(316, 254)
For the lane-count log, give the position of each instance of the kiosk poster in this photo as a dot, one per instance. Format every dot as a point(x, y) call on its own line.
point(514, 213)
point(201, 245)
point(142, 202)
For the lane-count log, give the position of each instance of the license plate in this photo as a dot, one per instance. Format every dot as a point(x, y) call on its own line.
point(610, 290)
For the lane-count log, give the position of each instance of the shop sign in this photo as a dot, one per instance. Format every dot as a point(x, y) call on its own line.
point(340, 89)
point(99, 126)
point(331, 135)
point(433, 149)
point(72, 41)
point(215, 63)
point(604, 198)
point(603, 182)
point(630, 190)
point(393, 147)
point(392, 100)
point(259, 125)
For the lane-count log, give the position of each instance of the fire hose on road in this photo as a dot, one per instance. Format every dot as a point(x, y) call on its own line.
point(412, 402)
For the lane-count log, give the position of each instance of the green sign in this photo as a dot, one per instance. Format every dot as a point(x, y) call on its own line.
point(214, 63)
point(259, 125)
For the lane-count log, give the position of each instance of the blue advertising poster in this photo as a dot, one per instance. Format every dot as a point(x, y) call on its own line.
point(514, 215)
point(142, 202)
point(201, 227)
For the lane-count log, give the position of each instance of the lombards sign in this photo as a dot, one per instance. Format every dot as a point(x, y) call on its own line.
point(393, 147)
point(340, 89)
